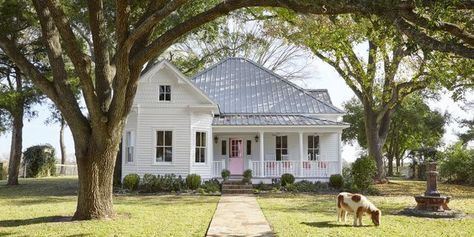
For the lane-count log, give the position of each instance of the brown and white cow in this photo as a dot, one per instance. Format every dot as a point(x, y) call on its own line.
point(357, 204)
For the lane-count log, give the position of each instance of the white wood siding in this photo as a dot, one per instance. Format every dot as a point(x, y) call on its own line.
point(175, 116)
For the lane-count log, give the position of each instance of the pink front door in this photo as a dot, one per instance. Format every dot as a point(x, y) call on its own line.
point(236, 156)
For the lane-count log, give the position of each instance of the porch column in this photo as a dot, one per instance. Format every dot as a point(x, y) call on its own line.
point(339, 151)
point(262, 153)
point(301, 153)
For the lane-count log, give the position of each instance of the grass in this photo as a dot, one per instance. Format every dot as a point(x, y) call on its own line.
point(43, 207)
point(315, 215)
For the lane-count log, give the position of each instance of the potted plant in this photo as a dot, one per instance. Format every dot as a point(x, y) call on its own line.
point(247, 176)
point(225, 174)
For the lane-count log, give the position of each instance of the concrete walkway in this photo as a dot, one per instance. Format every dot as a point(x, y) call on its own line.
point(239, 215)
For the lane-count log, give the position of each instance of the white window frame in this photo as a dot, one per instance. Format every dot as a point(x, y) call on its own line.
point(314, 148)
point(165, 93)
point(205, 146)
point(129, 145)
point(155, 146)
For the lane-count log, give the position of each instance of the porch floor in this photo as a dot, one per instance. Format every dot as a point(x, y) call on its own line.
point(239, 215)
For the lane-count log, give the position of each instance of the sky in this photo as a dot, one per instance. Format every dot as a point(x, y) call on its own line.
point(320, 76)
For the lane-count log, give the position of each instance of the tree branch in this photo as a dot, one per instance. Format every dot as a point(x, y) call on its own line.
point(452, 29)
point(82, 63)
point(429, 42)
point(103, 72)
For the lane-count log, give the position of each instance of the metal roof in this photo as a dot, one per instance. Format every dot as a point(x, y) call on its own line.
point(321, 94)
point(240, 86)
point(271, 120)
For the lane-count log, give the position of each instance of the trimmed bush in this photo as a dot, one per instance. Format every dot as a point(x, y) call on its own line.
point(40, 161)
point(211, 186)
point(193, 181)
point(3, 170)
point(148, 183)
point(336, 181)
point(131, 181)
point(247, 176)
point(287, 179)
point(363, 172)
point(225, 174)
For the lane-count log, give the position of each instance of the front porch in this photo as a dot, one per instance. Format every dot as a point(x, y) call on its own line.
point(308, 153)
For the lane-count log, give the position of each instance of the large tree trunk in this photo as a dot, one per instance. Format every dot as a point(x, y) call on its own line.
point(62, 146)
point(390, 164)
point(375, 143)
point(16, 147)
point(95, 162)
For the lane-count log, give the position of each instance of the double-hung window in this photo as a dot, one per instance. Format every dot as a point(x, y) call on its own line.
point(164, 146)
point(281, 147)
point(165, 93)
point(313, 147)
point(129, 146)
point(200, 151)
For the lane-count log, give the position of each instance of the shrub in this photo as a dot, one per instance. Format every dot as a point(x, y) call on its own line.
point(247, 176)
point(3, 170)
point(193, 181)
point(225, 174)
point(148, 183)
point(131, 181)
point(306, 186)
point(336, 181)
point(287, 179)
point(40, 161)
point(363, 172)
point(211, 186)
point(291, 188)
point(457, 164)
point(263, 187)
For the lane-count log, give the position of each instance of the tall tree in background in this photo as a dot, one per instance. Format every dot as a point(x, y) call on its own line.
point(17, 95)
point(125, 35)
point(238, 36)
point(381, 76)
point(57, 118)
point(414, 125)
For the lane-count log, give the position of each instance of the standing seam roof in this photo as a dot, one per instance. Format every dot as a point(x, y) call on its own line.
point(241, 86)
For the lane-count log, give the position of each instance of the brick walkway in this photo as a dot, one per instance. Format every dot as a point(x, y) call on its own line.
point(239, 215)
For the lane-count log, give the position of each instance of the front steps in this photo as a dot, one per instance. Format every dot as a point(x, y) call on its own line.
point(235, 186)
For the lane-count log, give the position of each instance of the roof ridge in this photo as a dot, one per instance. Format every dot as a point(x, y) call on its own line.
point(292, 84)
point(208, 69)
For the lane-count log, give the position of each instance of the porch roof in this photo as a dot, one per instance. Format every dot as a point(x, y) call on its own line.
point(272, 120)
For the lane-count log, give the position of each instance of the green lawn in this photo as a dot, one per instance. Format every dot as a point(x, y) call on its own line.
point(43, 207)
point(315, 215)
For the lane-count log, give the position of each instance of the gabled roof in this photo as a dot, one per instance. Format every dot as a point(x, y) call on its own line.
point(241, 86)
point(272, 120)
point(148, 76)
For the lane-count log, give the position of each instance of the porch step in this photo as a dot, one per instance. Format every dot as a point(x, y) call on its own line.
point(237, 191)
point(236, 187)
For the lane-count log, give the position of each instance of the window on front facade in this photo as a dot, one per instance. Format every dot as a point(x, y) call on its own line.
point(165, 93)
point(129, 146)
point(224, 148)
point(249, 147)
point(281, 147)
point(164, 146)
point(313, 147)
point(200, 154)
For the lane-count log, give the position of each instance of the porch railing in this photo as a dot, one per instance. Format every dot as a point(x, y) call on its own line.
point(315, 169)
point(217, 167)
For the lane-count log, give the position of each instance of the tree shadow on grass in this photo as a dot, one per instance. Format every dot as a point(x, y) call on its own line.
point(329, 224)
point(32, 221)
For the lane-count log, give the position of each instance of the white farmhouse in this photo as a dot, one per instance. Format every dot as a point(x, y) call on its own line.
point(235, 115)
